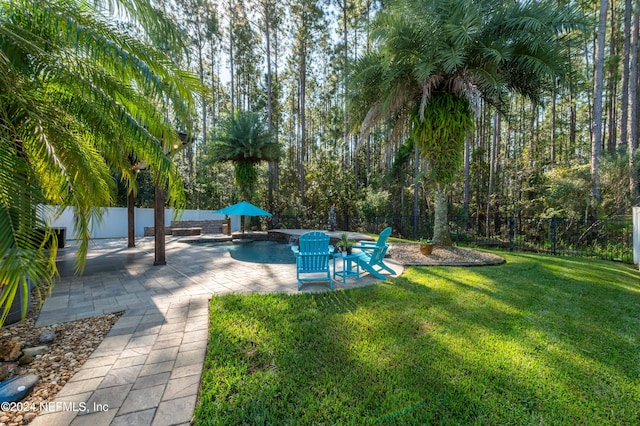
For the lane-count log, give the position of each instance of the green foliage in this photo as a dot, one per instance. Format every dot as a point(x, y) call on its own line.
point(327, 182)
point(402, 157)
point(374, 204)
point(80, 98)
point(345, 243)
point(440, 135)
point(245, 140)
point(568, 191)
point(537, 340)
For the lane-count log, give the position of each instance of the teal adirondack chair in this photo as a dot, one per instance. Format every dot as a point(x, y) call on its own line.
point(370, 255)
point(312, 258)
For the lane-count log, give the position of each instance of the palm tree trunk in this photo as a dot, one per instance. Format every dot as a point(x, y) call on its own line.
point(416, 171)
point(131, 229)
point(467, 181)
point(158, 223)
point(441, 234)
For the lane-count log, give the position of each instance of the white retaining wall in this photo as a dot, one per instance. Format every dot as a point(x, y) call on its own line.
point(114, 222)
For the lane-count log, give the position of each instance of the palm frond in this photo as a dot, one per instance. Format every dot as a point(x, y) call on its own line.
point(79, 97)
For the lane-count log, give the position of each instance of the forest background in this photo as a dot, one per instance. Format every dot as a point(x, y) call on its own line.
point(572, 156)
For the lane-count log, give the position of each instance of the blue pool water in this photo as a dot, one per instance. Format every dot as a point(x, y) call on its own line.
point(261, 252)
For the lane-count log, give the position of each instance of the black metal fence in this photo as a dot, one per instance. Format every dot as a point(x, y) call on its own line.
point(610, 239)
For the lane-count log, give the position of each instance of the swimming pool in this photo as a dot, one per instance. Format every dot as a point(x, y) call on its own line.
point(259, 252)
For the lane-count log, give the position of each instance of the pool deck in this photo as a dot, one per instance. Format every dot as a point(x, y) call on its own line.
point(334, 235)
point(148, 369)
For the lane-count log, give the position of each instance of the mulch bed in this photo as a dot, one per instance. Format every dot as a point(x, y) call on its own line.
point(408, 254)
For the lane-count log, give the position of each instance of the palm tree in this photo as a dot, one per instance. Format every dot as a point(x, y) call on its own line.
point(79, 98)
point(245, 140)
point(433, 57)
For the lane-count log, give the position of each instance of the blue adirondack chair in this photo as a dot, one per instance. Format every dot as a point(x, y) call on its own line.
point(370, 255)
point(312, 258)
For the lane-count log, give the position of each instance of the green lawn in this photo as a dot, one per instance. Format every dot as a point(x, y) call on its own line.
point(539, 340)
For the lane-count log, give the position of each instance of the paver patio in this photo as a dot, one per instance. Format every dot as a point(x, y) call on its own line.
point(147, 370)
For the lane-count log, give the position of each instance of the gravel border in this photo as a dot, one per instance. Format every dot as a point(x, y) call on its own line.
point(408, 254)
point(74, 342)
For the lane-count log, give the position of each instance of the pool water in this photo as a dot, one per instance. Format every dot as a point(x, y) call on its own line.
point(262, 252)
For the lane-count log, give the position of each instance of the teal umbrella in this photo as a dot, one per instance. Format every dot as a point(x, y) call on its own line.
point(243, 208)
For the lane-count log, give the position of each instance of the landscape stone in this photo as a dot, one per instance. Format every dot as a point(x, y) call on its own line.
point(10, 350)
point(47, 337)
point(4, 372)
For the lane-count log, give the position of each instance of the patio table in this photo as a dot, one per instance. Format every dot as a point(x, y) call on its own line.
point(348, 263)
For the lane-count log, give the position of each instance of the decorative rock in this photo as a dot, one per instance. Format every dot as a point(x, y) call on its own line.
point(24, 360)
point(10, 350)
point(30, 416)
point(47, 337)
point(4, 372)
point(30, 354)
point(17, 388)
point(36, 350)
point(53, 367)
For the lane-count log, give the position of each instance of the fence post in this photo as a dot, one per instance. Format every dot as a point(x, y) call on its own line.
point(512, 233)
point(554, 233)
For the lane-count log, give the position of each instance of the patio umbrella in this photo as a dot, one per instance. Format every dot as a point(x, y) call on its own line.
point(243, 208)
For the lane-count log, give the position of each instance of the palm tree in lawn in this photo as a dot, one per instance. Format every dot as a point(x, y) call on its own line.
point(245, 140)
point(80, 97)
point(433, 57)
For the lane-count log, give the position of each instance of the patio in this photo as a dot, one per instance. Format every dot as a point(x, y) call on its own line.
point(147, 370)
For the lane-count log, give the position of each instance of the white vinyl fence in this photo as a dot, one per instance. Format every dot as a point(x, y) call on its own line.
point(114, 222)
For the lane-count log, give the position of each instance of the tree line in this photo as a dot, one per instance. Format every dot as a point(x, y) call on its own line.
point(570, 151)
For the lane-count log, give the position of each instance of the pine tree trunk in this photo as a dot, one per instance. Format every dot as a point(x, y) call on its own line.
point(303, 121)
point(633, 101)
point(624, 105)
point(231, 66)
point(267, 35)
point(495, 143)
point(553, 124)
point(612, 82)
point(598, 79)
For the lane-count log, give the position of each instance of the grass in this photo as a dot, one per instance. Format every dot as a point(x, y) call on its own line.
point(539, 340)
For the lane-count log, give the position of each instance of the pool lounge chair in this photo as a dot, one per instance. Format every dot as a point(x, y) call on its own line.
point(312, 258)
point(370, 255)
